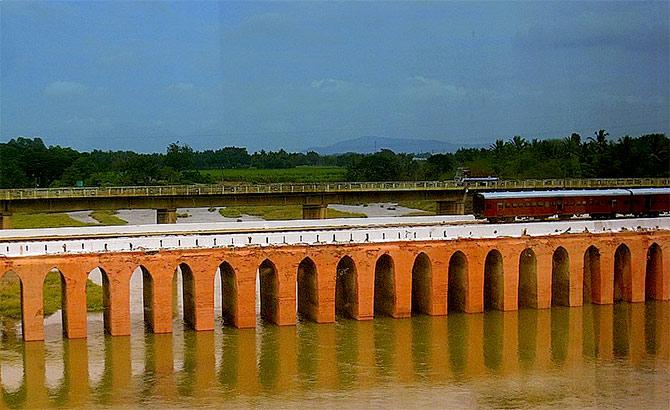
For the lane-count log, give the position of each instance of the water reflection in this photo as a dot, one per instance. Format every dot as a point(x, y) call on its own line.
point(577, 351)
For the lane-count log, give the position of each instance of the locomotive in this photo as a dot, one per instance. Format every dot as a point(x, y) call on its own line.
point(598, 203)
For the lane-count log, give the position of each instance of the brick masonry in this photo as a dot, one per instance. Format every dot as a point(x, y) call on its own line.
point(630, 266)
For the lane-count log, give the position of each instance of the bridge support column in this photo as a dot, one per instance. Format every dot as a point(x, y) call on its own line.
point(74, 305)
point(314, 211)
point(166, 216)
point(32, 319)
point(5, 220)
point(116, 299)
point(450, 208)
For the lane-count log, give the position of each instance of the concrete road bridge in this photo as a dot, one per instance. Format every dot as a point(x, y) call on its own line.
point(357, 268)
point(451, 197)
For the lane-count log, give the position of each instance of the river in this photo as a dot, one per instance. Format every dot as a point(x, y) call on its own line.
point(592, 356)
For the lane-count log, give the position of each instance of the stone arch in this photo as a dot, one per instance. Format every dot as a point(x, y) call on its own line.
point(457, 285)
point(308, 296)
point(622, 273)
point(54, 296)
point(591, 273)
point(384, 302)
point(527, 279)
point(560, 277)
point(494, 289)
point(187, 284)
point(228, 293)
point(653, 278)
point(346, 288)
point(13, 286)
point(269, 290)
point(421, 284)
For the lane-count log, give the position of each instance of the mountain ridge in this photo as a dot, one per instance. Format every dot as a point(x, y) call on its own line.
point(370, 144)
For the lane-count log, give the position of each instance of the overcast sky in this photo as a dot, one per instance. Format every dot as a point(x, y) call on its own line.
point(110, 75)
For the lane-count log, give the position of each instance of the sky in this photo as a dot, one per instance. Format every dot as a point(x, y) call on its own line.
point(294, 75)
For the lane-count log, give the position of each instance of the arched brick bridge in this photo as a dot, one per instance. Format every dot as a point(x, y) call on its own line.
point(360, 269)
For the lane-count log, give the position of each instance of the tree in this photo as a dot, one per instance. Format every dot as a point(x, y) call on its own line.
point(179, 157)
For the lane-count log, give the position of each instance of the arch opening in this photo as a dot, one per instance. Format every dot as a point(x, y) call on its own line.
point(527, 279)
point(269, 291)
point(457, 284)
point(622, 273)
point(384, 302)
point(421, 284)
point(346, 289)
point(97, 297)
point(653, 278)
point(494, 289)
point(228, 293)
point(308, 297)
point(591, 274)
point(54, 299)
point(11, 308)
point(141, 295)
point(183, 294)
point(560, 278)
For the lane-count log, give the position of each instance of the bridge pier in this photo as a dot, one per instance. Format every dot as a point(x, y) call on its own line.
point(314, 211)
point(450, 207)
point(5, 220)
point(166, 216)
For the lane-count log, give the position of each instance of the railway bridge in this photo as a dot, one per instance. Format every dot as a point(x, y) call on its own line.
point(452, 198)
point(357, 268)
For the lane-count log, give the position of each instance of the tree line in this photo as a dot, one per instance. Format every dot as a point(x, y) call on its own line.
point(28, 162)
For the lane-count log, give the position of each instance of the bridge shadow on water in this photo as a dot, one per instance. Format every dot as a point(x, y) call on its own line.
point(575, 347)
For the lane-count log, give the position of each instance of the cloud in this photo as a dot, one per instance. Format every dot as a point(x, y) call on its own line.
point(180, 87)
point(65, 89)
point(424, 87)
point(594, 29)
point(331, 84)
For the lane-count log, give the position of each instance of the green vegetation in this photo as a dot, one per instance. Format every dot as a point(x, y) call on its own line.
point(43, 220)
point(107, 217)
point(29, 163)
point(10, 295)
point(428, 206)
point(297, 174)
point(272, 213)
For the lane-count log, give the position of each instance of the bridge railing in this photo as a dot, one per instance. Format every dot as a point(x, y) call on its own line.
point(191, 190)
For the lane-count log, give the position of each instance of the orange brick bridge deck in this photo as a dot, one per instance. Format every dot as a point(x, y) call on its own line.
point(357, 269)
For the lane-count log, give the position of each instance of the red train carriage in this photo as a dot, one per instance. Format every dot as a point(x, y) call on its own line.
point(599, 203)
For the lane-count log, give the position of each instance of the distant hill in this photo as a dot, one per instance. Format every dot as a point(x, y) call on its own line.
point(370, 144)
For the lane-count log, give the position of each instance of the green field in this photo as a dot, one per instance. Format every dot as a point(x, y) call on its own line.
point(297, 174)
point(59, 220)
point(43, 220)
point(274, 213)
point(428, 206)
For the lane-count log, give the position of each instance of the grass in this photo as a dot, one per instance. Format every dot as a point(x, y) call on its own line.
point(10, 295)
point(59, 220)
point(428, 206)
point(107, 217)
point(297, 174)
point(43, 220)
point(281, 212)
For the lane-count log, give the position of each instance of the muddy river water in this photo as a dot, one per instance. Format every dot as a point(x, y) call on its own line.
point(592, 356)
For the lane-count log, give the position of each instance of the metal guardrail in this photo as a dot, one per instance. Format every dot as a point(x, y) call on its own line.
point(190, 190)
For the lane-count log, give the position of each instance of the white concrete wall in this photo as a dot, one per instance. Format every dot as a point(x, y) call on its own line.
point(282, 233)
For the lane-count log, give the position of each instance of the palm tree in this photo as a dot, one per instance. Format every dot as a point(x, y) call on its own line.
point(518, 142)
